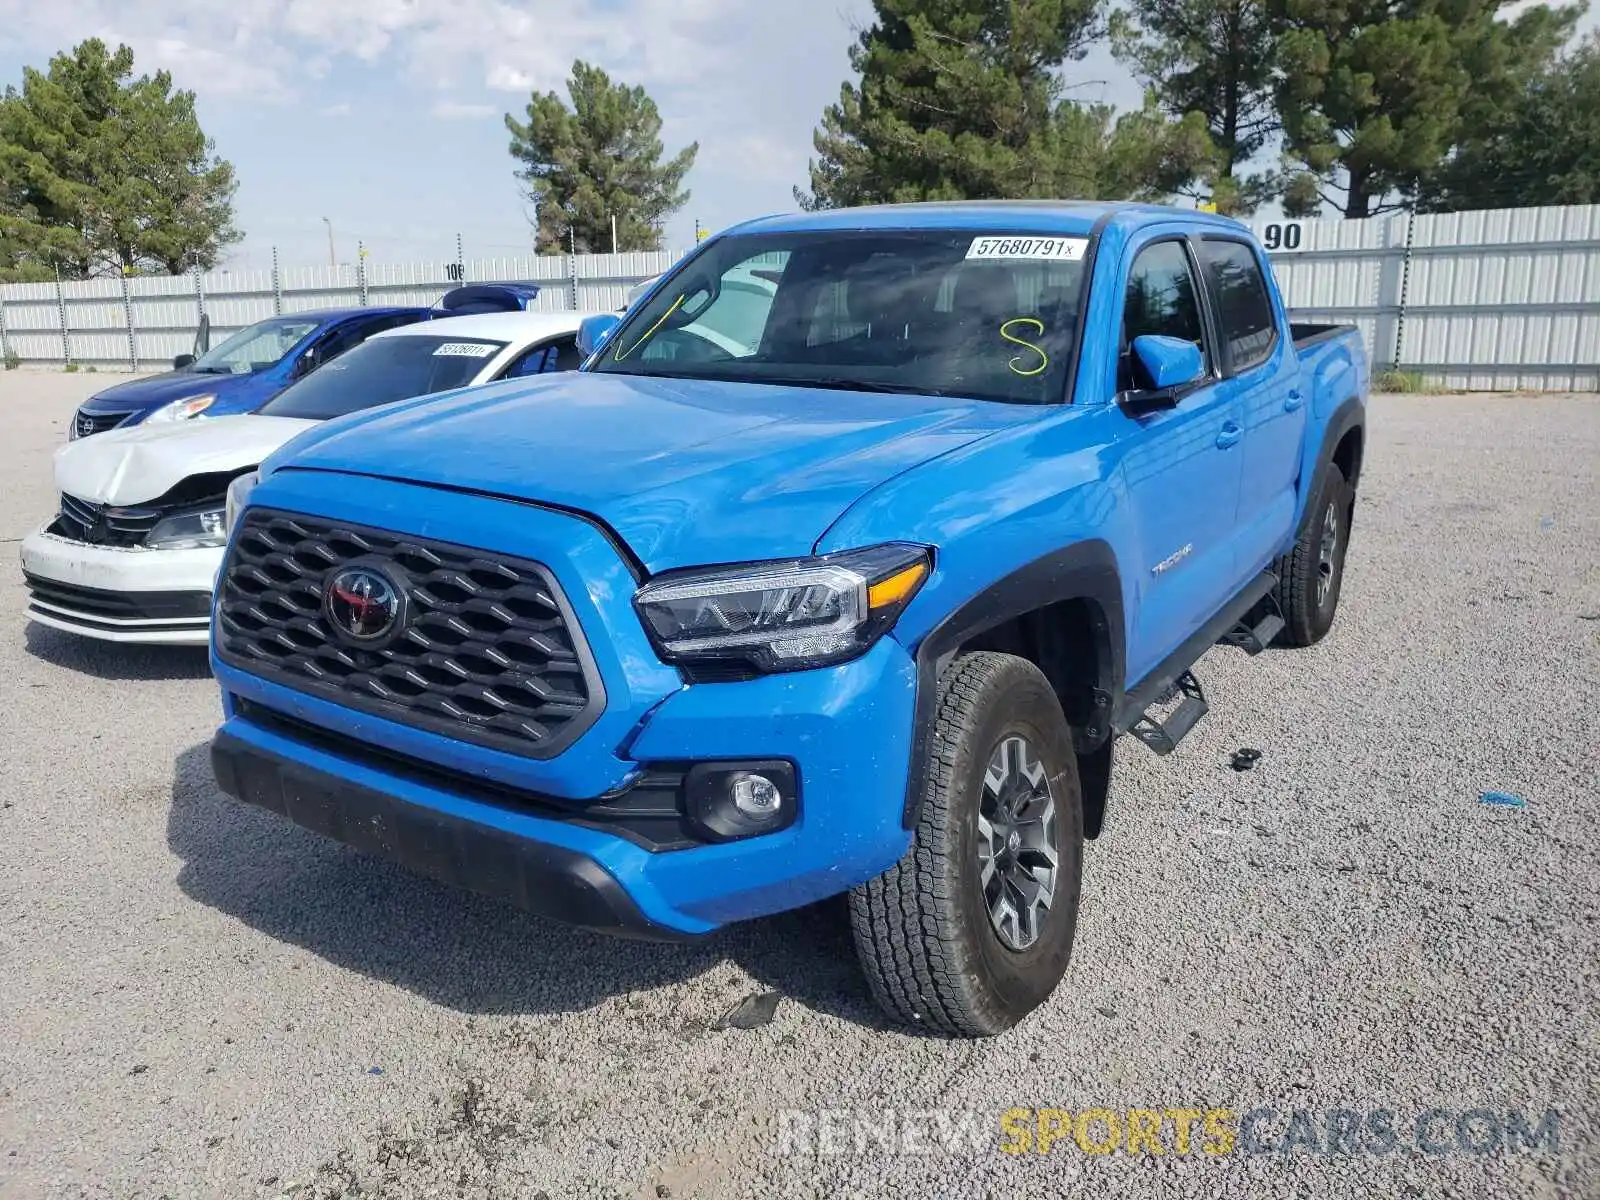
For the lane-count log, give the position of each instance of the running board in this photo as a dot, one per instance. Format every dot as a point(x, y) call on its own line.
point(1163, 683)
point(1253, 639)
point(1163, 736)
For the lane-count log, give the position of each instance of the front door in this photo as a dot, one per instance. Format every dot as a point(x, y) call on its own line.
point(1180, 467)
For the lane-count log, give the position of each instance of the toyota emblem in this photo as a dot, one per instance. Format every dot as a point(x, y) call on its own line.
point(362, 604)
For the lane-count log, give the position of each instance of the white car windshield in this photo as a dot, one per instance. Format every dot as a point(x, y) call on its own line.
point(255, 348)
point(382, 371)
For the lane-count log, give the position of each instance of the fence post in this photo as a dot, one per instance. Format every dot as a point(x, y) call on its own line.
point(1405, 287)
point(199, 297)
point(461, 262)
point(361, 272)
point(5, 344)
point(61, 315)
point(277, 285)
point(127, 319)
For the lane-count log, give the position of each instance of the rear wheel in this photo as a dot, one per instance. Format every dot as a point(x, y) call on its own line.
point(973, 928)
point(1311, 575)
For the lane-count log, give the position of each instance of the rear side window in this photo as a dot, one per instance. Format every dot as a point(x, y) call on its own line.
point(1242, 304)
point(1162, 299)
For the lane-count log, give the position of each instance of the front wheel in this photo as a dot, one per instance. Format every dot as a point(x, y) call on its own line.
point(972, 929)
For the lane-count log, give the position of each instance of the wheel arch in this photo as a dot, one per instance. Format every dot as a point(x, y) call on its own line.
point(1064, 613)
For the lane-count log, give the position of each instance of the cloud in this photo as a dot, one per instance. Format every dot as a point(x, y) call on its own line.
point(449, 110)
point(335, 110)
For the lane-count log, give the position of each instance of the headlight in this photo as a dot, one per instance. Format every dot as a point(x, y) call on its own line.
point(189, 531)
point(783, 616)
point(182, 410)
point(237, 491)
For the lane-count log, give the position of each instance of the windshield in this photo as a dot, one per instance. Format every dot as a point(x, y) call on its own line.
point(255, 348)
point(933, 312)
point(382, 371)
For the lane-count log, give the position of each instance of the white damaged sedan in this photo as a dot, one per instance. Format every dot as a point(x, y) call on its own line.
point(134, 551)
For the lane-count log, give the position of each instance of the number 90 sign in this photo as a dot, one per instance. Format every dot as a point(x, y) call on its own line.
point(1281, 237)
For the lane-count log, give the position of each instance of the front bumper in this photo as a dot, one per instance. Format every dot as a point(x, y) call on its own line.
point(550, 881)
point(120, 594)
point(846, 730)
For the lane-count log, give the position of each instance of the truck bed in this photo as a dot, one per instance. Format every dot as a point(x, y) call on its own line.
point(1334, 358)
point(1305, 334)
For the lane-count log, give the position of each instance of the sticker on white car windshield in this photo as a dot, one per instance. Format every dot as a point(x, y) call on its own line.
point(464, 350)
point(1057, 249)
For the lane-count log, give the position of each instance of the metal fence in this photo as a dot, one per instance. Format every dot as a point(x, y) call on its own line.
point(141, 323)
point(1495, 300)
point(1482, 301)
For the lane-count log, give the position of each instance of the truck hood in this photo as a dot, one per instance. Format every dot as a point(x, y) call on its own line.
point(685, 472)
point(139, 395)
point(131, 466)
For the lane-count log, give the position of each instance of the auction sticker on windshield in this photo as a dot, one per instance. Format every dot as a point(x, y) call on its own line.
point(1058, 249)
point(465, 350)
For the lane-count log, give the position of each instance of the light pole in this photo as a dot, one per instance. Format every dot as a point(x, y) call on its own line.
point(333, 260)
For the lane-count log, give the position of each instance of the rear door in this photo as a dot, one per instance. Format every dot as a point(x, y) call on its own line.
point(1259, 361)
point(1181, 466)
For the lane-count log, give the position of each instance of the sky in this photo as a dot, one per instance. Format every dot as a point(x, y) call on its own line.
point(386, 116)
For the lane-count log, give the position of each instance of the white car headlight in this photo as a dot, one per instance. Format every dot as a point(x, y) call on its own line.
point(194, 530)
point(783, 616)
point(182, 410)
point(238, 490)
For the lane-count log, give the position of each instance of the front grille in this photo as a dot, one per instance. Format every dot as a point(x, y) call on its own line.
point(490, 653)
point(85, 423)
point(101, 525)
point(133, 606)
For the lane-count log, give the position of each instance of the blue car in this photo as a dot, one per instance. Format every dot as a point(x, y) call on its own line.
point(241, 374)
point(257, 363)
point(843, 566)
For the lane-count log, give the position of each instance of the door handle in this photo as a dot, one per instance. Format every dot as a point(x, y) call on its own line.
point(1229, 434)
point(1293, 401)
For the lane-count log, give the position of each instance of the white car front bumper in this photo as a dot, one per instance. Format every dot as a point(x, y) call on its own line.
point(120, 594)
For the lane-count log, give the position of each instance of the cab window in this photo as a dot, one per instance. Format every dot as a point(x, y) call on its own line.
point(1243, 307)
point(1163, 298)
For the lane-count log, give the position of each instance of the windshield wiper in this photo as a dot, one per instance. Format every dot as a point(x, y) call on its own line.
point(840, 384)
point(211, 370)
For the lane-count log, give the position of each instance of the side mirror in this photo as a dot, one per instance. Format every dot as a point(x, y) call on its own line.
point(594, 331)
point(1168, 366)
point(306, 363)
point(182, 361)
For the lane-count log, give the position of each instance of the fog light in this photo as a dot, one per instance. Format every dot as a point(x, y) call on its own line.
point(732, 800)
point(754, 795)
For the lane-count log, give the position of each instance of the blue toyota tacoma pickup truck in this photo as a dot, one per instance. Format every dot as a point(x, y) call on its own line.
point(841, 567)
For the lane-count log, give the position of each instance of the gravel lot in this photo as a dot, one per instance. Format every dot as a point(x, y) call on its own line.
point(199, 1000)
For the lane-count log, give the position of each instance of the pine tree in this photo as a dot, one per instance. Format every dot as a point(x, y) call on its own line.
point(597, 160)
point(1542, 148)
point(1213, 58)
point(1374, 93)
point(964, 99)
point(101, 173)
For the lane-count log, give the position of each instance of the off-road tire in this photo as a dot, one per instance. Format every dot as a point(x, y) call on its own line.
point(932, 955)
point(1308, 609)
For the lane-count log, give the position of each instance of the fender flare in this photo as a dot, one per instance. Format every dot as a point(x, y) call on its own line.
point(1351, 414)
point(1082, 571)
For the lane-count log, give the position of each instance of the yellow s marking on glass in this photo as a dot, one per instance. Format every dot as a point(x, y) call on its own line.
point(619, 353)
point(1044, 359)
